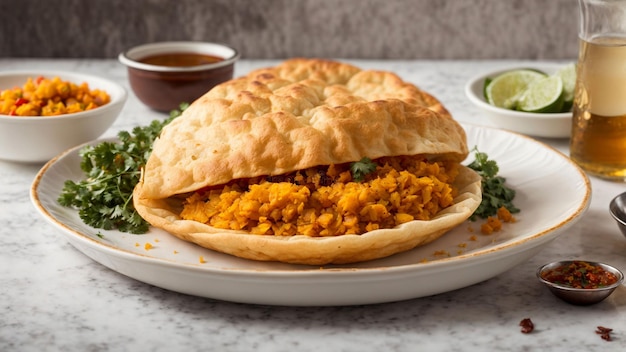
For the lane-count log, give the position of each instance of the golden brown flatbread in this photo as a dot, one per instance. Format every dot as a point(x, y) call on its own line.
point(301, 114)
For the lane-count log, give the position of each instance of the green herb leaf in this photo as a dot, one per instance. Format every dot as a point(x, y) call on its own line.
point(495, 192)
point(361, 168)
point(112, 169)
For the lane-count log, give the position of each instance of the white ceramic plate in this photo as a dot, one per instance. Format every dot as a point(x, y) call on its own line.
point(458, 259)
point(557, 125)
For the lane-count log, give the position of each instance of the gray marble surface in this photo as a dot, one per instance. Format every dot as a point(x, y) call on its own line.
point(54, 298)
point(266, 29)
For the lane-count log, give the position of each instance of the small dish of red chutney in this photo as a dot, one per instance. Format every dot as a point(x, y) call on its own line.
point(580, 282)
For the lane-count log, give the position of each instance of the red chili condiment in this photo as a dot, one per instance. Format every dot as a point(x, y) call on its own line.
point(180, 59)
point(605, 333)
point(527, 325)
point(580, 274)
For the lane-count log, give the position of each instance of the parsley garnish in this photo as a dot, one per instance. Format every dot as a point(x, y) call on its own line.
point(104, 198)
point(495, 193)
point(360, 168)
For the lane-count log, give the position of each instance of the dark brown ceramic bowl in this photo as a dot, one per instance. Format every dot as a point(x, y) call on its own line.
point(164, 88)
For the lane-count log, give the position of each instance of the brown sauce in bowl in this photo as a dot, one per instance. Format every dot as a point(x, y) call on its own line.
point(180, 59)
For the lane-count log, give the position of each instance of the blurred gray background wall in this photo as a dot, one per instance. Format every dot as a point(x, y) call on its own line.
point(274, 29)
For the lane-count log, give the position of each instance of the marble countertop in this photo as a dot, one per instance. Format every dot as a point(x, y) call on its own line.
point(54, 298)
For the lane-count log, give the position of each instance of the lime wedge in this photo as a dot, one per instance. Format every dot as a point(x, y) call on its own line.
point(485, 85)
point(544, 95)
point(568, 76)
point(505, 89)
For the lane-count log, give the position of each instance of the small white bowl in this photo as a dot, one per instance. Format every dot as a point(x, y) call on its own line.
point(556, 125)
point(38, 139)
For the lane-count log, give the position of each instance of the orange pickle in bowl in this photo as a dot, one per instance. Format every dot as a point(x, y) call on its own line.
point(50, 97)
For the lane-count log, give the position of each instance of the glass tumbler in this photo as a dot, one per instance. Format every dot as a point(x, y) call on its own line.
point(598, 141)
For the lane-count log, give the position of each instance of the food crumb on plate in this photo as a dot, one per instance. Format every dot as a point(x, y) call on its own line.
point(494, 223)
point(441, 252)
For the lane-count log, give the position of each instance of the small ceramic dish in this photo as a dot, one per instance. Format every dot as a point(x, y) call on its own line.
point(549, 275)
point(177, 77)
point(550, 125)
point(37, 139)
point(617, 208)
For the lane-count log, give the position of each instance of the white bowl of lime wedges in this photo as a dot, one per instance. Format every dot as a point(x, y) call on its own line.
point(533, 100)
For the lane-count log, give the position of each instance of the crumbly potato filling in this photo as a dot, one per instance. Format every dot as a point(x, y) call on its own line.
point(325, 201)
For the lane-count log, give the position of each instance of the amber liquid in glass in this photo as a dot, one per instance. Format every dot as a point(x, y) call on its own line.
point(598, 142)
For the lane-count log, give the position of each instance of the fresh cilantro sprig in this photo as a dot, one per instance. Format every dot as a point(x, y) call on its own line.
point(112, 169)
point(359, 169)
point(495, 193)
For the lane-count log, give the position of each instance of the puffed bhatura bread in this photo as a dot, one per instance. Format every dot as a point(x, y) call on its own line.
point(301, 114)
